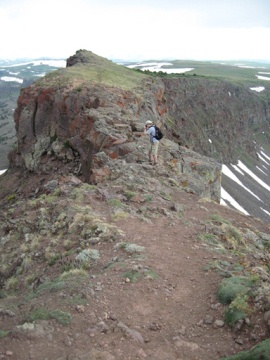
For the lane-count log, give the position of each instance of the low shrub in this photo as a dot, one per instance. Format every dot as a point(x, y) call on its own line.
point(48, 286)
point(237, 310)
point(119, 215)
point(260, 351)
point(115, 203)
point(11, 284)
point(230, 288)
point(74, 274)
point(129, 194)
point(62, 317)
point(85, 257)
point(130, 248)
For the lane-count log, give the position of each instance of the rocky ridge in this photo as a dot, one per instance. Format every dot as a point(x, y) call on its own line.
point(105, 256)
point(93, 109)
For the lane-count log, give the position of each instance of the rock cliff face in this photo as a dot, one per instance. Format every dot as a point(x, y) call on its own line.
point(85, 125)
point(215, 118)
point(74, 125)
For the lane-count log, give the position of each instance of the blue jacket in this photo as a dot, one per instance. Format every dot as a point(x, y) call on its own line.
point(152, 132)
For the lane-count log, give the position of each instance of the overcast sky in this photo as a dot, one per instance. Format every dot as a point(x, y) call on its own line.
point(136, 30)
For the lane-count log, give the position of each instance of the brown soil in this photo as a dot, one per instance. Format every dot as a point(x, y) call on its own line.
point(169, 311)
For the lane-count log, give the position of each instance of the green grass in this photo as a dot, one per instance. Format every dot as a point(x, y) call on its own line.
point(259, 352)
point(70, 280)
point(165, 196)
point(236, 292)
point(77, 299)
point(129, 194)
point(151, 274)
point(232, 287)
point(96, 70)
point(53, 259)
point(61, 317)
point(74, 276)
point(148, 198)
point(208, 238)
point(115, 203)
point(215, 218)
point(3, 333)
point(11, 284)
point(132, 275)
point(48, 286)
point(225, 71)
point(237, 310)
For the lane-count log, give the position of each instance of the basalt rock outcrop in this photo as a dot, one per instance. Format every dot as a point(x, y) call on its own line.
point(74, 121)
point(85, 120)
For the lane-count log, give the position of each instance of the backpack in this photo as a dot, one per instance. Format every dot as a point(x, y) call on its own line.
point(159, 134)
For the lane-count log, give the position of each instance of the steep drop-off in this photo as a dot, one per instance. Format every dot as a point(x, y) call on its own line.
point(94, 108)
point(215, 118)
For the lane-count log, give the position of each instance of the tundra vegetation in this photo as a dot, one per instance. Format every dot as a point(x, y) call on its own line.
point(70, 248)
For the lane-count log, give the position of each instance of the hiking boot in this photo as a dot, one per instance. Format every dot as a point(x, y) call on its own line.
point(155, 163)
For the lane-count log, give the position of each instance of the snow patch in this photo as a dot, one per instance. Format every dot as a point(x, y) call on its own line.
point(263, 77)
point(9, 78)
point(260, 157)
point(230, 174)
point(40, 75)
point(267, 157)
point(250, 173)
point(155, 66)
point(227, 196)
point(258, 88)
point(247, 66)
point(268, 213)
point(261, 170)
point(237, 169)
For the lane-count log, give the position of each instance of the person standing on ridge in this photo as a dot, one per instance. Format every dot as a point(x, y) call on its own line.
point(154, 143)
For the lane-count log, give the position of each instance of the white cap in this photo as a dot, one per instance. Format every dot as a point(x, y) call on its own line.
point(148, 122)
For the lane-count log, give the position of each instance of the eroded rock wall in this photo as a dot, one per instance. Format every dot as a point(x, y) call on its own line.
point(74, 125)
point(213, 117)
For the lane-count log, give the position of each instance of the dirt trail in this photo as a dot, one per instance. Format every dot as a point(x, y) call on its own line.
point(157, 304)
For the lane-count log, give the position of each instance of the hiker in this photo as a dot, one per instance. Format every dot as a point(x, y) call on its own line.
point(154, 143)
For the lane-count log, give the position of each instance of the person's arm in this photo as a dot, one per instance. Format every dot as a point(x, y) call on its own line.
point(140, 133)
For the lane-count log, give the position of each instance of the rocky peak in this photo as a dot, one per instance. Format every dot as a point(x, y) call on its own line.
point(85, 57)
